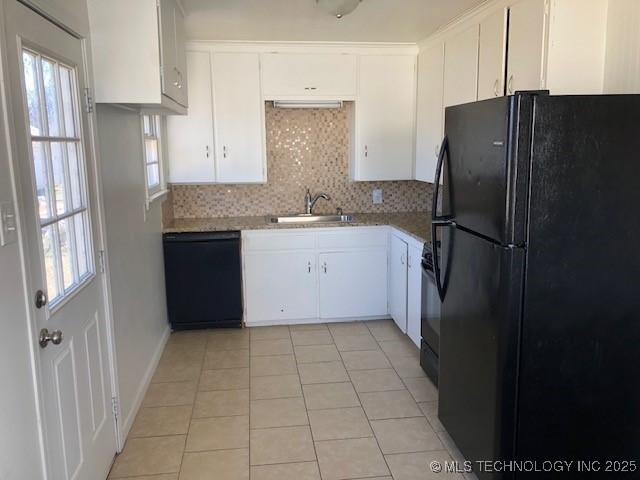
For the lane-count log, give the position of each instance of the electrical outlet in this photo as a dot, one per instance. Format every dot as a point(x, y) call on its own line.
point(8, 224)
point(377, 196)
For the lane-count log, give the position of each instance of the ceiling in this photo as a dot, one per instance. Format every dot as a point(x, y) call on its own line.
point(302, 20)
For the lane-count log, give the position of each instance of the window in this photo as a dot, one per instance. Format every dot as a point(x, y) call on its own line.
point(152, 155)
point(58, 158)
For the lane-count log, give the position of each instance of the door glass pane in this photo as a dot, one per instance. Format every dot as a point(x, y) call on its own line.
point(153, 175)
point(81, 243)
point(42, 180)
point(57, 161)
point(31, 89)
point(65, 253)
point(51, 97)
point(151, 150)
point(50, 262)
point(75, 175)
point(66, 90)
point(147, 125)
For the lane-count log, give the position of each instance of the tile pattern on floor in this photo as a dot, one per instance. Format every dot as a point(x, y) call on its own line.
point(318, 402)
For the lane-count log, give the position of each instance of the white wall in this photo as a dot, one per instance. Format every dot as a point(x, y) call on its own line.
point(622, 64)
point(135, 258)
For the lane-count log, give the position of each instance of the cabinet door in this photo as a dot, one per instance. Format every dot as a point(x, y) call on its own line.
point(414, 294)
point(190, 137)
point(168, 54)
point(526, 45)
point(238, 118)
point(181, 58)
point(461, 67)
point(308, 75)
point(353, 284)
point(280, 286)
point(492, 61)
point(398, 282)
point(430, 117)
point(385, 115)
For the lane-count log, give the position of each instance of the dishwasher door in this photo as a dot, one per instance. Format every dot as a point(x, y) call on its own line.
point(204, 280)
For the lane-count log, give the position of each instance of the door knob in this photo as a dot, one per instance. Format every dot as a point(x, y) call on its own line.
point(54, 337)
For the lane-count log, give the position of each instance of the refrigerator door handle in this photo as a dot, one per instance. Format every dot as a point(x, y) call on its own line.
point(436, 257)
point(444, 150)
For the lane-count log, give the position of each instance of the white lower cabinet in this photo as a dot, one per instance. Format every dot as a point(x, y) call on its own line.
point(353, 283)
point(280, 286)
point(405, 285)
point(305, 275)
point(398, 282)
point(414, 294)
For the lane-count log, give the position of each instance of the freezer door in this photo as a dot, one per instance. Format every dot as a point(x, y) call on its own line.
point(479, 343)
point(580, 374)
point(486, 167)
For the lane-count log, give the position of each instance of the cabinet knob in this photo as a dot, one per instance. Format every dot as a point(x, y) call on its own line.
point(495, 88)
point(207, 150)
point(224, 151)
point(510, 85)
point(324, 267)
point(366, 150)
point(309, 267)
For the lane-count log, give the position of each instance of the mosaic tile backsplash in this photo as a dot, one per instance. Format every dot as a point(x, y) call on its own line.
point(306, 148)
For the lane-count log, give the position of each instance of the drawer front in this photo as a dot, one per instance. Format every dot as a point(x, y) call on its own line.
point(366, 237)
point(282, 240)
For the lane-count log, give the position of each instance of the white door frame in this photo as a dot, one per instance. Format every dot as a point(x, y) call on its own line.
point(98, 220)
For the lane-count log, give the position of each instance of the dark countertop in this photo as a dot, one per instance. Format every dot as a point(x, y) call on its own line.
point(415, 224)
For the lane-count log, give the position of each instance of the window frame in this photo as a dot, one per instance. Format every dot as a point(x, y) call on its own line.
point(152, 191)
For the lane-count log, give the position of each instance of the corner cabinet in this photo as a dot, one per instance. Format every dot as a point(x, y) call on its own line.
point(222, 138)
point(385, 118)
point(138, 54)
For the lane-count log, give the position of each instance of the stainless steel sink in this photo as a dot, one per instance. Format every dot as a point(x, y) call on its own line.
point(303, 218)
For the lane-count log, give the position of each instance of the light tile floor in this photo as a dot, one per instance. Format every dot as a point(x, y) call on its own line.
point(306, 402)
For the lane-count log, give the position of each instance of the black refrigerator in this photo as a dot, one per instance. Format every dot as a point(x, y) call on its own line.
point(538, 222)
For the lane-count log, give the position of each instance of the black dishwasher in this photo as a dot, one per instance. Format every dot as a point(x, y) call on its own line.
point(204, 279)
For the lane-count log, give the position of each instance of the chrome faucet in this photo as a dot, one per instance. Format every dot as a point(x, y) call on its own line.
point(310, 202)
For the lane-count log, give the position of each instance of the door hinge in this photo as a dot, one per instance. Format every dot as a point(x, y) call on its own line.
point(115, 407)
point(101, 261)
point(88, 100)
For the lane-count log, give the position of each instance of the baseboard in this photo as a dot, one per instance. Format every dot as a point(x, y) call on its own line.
point(127, 423)
point(309, 321)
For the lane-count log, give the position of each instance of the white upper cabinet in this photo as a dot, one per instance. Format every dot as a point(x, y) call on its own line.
point(492, 55)
point(239, 121)
point(385, 118)
point(301, 75)
point(139, 54)
point(190, 137)
point(461, 67)
point(430, 127)
point(526, 45)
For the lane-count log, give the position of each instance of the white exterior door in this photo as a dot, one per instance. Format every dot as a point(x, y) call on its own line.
point(353, 284)
point(60, 224)
point(398, 282)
